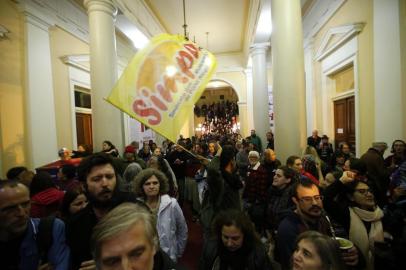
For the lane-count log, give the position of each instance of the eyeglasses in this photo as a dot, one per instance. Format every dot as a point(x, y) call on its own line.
point(14, 208)
point(309, 199)
point(364, 191)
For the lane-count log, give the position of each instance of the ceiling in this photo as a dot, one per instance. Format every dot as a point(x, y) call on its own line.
point(221, 26)
point(218, 25)
point(229, 23)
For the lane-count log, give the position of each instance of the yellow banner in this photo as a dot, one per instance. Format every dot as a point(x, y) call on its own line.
point(162, 83)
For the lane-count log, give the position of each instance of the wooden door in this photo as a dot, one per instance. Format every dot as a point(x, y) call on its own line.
point(344, 121)
point(84, 129)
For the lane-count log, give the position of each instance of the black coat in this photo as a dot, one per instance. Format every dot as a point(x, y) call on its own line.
point(163, 262)
point(80, 226)
point(222, 193)
point(255, 259)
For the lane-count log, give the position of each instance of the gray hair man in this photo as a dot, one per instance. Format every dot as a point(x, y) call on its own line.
point(126, 238)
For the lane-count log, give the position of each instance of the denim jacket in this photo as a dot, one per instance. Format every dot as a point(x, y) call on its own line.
point(58, 254)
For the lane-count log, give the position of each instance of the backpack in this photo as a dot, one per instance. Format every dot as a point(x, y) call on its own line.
point(44, 237)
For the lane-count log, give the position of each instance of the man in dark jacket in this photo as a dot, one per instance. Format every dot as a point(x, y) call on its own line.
point(223, 187)
point(378, 175)
point(177, 160)
point(100, 178)
point(307, 216)
point(255, 140)
point(314, 140)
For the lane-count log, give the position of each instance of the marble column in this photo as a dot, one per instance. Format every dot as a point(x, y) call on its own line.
point(260, 90)
point(389, 113)
point(288, 78)
point(107, 121)
point(250, 103)
point(41, 138)
point(243, 118)
point(310, 93)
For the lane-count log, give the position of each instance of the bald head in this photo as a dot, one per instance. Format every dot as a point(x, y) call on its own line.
point(14, 209)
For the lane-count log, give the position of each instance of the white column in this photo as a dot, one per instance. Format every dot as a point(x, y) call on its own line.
point(389, 113)
point(310, 93)
point(41, 138)
point(243, 118)
point(288, 78)
point(250, 103)
point(107, 121)
point(260, 90)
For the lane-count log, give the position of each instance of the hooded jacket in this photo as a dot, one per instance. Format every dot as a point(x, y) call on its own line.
point(46, 202)
point(172, 228)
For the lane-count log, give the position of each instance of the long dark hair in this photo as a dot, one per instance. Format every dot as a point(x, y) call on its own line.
point(68, 198)
point(393, 146)
point(241, 221)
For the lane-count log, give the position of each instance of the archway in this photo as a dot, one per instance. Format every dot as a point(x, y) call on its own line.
point(217, 112)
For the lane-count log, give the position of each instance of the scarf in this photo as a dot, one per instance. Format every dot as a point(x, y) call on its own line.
point(358, 232)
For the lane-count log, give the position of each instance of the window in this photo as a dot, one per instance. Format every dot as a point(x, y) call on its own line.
point(344, 79)
point(82, 98)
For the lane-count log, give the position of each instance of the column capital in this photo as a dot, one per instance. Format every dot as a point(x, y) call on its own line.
point(106, 6)
point(259, 48)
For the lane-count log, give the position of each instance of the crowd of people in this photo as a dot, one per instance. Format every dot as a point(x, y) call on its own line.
point(219, 118)
point(221, 110)
point(320, 209)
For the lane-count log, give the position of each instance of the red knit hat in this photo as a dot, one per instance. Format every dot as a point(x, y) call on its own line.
point(129, 149)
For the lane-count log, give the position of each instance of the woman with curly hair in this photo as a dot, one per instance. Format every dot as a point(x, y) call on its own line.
point(152, 187)
point(161, 164)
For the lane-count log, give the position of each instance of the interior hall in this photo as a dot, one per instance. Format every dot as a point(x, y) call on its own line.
point(307, 96)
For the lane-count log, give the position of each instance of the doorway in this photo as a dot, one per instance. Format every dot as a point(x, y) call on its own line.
point(83, 113)
point(84, 129)
point(217, 111)
point(344, 122)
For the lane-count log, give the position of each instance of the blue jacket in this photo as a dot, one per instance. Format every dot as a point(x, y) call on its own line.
point(58, 254)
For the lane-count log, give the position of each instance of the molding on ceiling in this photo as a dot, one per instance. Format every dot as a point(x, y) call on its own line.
point(62, 13)
point(318, 15)
point(58, 12)
point(253, 16)
point(77, 60)
point(141, 15)
point(82, 61)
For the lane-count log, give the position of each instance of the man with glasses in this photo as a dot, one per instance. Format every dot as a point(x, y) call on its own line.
point(308, 215)
point(19, 234)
